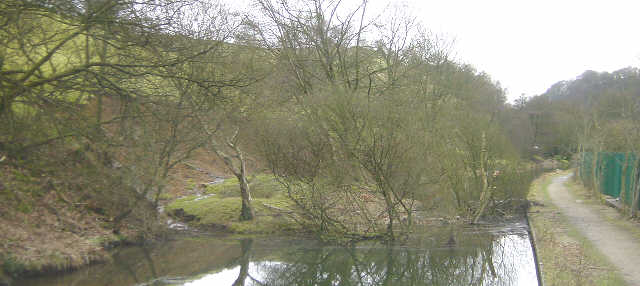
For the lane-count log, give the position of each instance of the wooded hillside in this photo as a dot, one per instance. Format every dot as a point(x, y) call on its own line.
point(362, 123)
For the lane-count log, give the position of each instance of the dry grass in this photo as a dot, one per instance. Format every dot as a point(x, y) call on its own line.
point(42, 233)
point(44, 228)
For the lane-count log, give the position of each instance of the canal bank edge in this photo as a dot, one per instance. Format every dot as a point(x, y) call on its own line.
point(534, 248)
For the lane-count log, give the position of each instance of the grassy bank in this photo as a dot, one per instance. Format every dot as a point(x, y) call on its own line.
point(218, 207)
point(565, 255)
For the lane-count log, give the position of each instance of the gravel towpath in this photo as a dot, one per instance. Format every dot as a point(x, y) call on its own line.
point(616, 243)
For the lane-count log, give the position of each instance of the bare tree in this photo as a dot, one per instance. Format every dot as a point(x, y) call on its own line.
point(125, 81)
point(358, 108)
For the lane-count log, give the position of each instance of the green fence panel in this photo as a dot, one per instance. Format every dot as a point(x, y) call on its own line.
point(610, 172)
point(609, 169)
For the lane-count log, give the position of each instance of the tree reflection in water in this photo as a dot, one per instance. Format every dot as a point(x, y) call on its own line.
point(244, 261)
point(487, 261)
point(478, 257)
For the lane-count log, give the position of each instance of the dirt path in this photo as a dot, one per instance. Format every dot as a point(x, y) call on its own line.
point(616, 243)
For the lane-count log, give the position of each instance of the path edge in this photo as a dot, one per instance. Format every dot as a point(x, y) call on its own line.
point(534, 248)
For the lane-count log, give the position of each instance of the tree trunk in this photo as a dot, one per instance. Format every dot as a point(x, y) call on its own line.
point(594, 172)
point(581, 165)
point(247, 211)
point(390, 212)
point(635, 186)
point(486, 190)
point(623, 183)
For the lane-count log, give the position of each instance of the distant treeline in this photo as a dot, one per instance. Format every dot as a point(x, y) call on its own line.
point(594, 112)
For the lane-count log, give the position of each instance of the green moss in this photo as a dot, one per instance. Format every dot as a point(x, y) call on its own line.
point(165, 196)
point(261, 186)
point(211, 210)
point(24, 207)
point(190, 184)
point(223, 205)
point(219, 210)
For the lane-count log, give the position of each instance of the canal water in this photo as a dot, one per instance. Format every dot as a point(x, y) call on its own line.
point(497, 254)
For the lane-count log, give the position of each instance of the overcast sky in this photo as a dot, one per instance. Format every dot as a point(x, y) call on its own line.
point(529, 45)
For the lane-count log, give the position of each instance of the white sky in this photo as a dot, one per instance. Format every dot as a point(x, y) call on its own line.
point(528, 45)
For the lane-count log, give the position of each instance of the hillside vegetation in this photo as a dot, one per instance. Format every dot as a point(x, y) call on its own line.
point(320, 120)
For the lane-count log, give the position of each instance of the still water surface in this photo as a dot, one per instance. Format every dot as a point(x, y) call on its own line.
point(489, 255)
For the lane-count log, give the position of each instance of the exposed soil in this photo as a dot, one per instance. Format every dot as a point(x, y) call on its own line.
point(619, 245)
point(48, 228)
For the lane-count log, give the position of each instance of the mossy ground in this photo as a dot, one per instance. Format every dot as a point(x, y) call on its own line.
point(565, 255)
point(220, 205)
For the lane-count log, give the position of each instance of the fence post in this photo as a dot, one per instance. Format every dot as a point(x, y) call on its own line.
point(623, 184)
point(635, 188)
